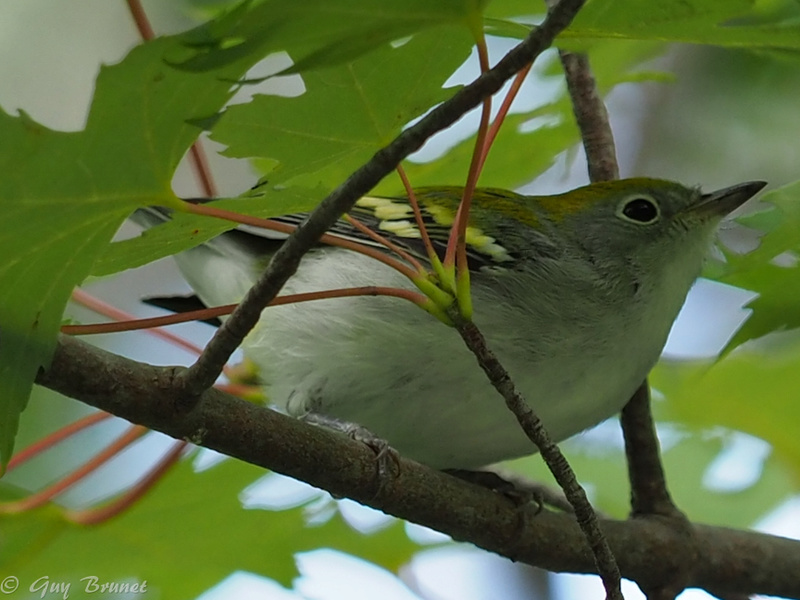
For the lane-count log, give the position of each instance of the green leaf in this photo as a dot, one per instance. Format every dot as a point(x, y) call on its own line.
point(723, 394)
point(687, 463)
point(43, 257)
point(738, 23)
point(690, 21)
point(320, 33)
point(63, 196)
point(774, 309)
point(778, 287)
point(601, 468)
point(184, 231)
point(191, 523)
point(517, 156)
point(779, 223)
point(530, 141)
point(364, 110)
point(347, 112)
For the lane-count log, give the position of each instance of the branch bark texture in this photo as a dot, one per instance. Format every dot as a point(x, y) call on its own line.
point(591, 116)
point(647, 550)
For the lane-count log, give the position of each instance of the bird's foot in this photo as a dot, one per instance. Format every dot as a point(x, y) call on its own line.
point(521, 495)
point(386, 457)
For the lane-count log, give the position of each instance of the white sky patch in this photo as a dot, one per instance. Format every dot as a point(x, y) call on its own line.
point(327, 574)
point(278, 492)
point(248, 586)
point(739, 465)
point(702, 331)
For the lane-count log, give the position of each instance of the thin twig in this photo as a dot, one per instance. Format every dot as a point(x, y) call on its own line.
point(532, 426)
point(54, 438)
point(269, 224)
point(418, 219)
point(133, 433)
point(502, 112)
point(226, 309)
point(84, 298)
point(649, 494)
point(202, 170)
point(456, 253)
point(284, 263)
point(386, 243)
point(96, 515)
point(197, 156)
point(140, 19)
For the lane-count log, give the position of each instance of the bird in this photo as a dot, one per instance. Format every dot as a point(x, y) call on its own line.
point(575, 294)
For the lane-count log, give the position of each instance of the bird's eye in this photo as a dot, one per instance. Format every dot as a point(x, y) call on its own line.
point(639, 209)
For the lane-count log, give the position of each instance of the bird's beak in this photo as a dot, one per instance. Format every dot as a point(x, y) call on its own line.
point(726, 200)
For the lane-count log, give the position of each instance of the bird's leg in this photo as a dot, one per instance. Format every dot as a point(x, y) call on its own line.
point(386, 456)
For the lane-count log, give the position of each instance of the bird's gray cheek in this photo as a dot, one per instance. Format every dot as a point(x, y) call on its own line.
point(635, 284)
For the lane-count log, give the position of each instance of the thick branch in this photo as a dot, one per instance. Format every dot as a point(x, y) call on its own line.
point(649, 494)
point(727, 560)
point(205, 371)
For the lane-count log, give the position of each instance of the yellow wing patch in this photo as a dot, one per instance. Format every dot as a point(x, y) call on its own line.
point(403, 228)
point(384, 208)
point(486, 244)
point(396, 217)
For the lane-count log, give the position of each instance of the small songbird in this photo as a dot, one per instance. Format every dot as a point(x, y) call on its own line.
point(575, 294)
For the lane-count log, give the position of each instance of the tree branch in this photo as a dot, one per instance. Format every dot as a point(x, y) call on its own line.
point(205, 371)
point(649, 493)
point(591, 116)
point(534, 428)
point(728, 561)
